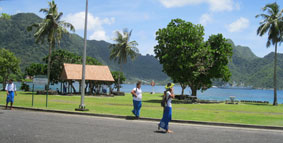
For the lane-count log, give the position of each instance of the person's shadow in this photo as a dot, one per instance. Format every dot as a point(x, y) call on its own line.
point(160, 132)
point(130, 118)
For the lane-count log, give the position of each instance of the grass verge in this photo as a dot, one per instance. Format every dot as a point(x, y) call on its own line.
point(255, 114)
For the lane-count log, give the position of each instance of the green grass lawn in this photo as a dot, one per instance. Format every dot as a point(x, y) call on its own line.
point(122, 105)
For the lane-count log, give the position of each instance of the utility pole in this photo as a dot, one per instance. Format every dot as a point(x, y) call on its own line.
point(82, 105)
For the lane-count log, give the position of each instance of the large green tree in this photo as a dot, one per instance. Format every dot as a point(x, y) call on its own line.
point(272, 24)
point(122, 49)
point(190, 60)
point(9, 65)
point(50, 29)
point(36, 69)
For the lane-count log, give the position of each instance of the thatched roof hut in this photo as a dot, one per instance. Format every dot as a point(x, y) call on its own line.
point(93, 73)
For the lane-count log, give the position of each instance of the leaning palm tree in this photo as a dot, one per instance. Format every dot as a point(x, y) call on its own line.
point(272, 25)
point(50, 29)
point(122, 49)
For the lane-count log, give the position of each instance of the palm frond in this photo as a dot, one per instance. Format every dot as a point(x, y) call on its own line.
point(264, 16)
point(123, 47)
point(67, 25)
point(271, 23)
point(263, 29)
point(58, 17)
point(44, 10)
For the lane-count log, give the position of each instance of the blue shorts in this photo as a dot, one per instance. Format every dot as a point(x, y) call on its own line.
point(10, 97)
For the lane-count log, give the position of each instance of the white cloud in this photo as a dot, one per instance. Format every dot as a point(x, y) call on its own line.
point(95, 24)
point(78, 20)
point(221, 5)
point(108, 21)
point(205, 19)
point(214, 5)
point(1, 8)
point(179, 3)
point(238, 25)
point(99, 35)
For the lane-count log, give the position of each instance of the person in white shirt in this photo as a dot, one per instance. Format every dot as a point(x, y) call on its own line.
point(11, 91)
point(137, 100)
point(167, 113)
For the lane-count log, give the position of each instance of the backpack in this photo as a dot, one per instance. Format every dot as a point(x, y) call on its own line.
point(136, 92)
point(164, 100)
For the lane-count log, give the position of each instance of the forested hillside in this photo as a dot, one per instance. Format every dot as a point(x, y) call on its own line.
point(14, 36)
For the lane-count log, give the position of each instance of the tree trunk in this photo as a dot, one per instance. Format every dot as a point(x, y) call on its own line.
point(194, 91)
point(49, 64)
point(183, 88)
point(118, 89)
point(275, 79)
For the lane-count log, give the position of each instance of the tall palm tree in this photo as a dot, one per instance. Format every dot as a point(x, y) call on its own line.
point(272, 25)
point(50, 29)
point(122, 49)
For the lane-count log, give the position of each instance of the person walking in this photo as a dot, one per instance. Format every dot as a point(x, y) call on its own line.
point(167, 112)
point(11, 91)
point(137, 100)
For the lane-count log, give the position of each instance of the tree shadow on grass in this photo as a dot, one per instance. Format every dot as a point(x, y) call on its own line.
point(173, 101)
point(28, 93)
point(153, 101)
point(257, 104)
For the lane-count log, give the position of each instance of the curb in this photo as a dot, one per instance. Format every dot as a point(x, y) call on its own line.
point(154, 119)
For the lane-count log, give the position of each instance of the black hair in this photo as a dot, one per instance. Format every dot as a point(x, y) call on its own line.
point(139, 83)
point(168, 85)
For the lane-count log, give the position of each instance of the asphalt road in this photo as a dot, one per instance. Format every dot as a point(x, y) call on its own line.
point(20, 126)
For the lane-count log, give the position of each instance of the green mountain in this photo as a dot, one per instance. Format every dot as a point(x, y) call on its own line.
point(14, 36)
point(251, 70)
point(245, 66)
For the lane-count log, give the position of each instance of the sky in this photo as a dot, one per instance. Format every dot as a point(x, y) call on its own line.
point(235, 19)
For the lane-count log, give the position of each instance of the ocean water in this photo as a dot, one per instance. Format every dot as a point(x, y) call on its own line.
point(219, 94)
point(210, 94)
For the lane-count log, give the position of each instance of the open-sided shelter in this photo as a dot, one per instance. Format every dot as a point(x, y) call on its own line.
point(73, 72)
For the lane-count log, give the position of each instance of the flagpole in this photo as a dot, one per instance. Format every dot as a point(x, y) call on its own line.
point(82, 105)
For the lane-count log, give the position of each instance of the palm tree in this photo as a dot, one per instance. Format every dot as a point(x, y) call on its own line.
point(51, 28)
point(122, 49)
point(272, 25)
